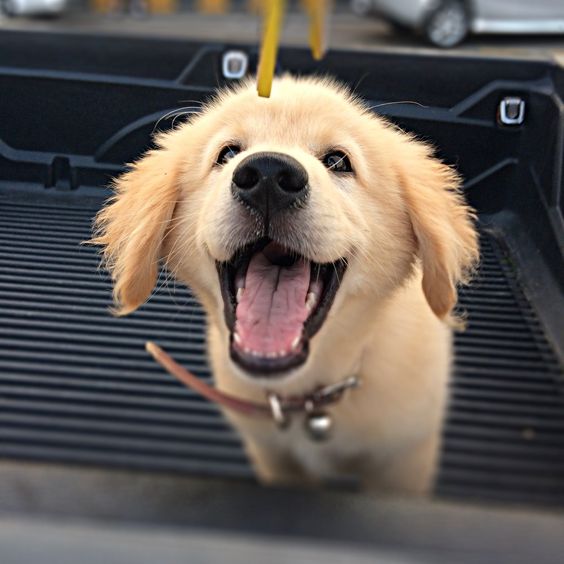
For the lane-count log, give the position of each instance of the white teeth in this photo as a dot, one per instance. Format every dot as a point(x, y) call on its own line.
point(237, 338)
point(240, 293)
point(311, 300)
point(240, 278)
point(272, 354)
point(296, 342)
point(315, 286)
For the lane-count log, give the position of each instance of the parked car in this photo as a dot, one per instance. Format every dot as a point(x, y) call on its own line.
point(33, 7)
point(446, 23)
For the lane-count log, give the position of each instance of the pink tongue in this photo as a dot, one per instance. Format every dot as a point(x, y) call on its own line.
point(271, 312)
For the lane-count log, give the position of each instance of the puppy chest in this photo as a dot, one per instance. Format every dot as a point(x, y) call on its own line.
point(328, 457)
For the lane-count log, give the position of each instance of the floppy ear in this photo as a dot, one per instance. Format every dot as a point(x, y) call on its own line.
point(132, 226)
point(443, 225)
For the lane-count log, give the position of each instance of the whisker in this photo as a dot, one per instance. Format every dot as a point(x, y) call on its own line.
point(337, 163)
point(200, 102)
point(175, 113)
point(396, 103)
point(336, 273)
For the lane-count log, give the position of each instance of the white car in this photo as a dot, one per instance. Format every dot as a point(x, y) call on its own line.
point(33, 7)
point(446, 23)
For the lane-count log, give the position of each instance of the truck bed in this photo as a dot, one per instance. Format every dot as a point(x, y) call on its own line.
point(91, 429)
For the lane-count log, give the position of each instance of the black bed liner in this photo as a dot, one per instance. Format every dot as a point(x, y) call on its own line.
point(76, 385)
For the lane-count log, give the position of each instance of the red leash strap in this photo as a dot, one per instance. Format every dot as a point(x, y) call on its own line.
point(209, 392)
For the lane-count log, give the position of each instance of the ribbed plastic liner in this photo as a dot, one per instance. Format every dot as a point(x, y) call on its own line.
point(77, 386)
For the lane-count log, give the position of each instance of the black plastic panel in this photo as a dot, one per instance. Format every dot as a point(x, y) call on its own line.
point(77, 386)
point(504, 438)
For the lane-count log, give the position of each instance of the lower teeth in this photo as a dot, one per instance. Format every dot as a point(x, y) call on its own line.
point(310, 301)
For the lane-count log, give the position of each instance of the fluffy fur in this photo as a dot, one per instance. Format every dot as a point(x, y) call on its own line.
point(399, 220)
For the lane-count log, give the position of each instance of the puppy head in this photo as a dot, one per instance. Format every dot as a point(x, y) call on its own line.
point(274, 211)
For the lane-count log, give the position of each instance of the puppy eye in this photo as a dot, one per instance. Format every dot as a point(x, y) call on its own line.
point(337, 161)
point(227, 153)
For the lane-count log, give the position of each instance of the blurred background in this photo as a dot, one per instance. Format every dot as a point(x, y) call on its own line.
point(500, 27)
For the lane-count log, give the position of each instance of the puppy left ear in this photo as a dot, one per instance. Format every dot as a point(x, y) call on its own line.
point(443, 225)
point(132, 227)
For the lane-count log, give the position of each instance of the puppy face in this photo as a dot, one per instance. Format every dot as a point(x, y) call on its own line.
point(275, 211)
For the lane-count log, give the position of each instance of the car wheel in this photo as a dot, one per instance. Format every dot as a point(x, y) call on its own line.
point(448, 24)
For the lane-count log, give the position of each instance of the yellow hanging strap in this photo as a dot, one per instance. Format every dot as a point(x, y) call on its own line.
point(274, 16)
point(318, 11)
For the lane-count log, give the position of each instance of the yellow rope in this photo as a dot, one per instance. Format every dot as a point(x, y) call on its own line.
point(273, 14)
point(318, 11)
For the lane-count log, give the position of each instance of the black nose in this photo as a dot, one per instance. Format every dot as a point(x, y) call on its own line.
point(270, 183)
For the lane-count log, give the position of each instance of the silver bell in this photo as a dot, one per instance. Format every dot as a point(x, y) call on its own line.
point(318, 425)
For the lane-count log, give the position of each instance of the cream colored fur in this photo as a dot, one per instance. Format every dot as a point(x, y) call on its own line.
point(400, 222)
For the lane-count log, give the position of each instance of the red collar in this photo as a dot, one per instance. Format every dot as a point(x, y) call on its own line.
point(278, 407)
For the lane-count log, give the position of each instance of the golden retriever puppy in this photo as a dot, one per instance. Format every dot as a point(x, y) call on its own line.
point(323, 243)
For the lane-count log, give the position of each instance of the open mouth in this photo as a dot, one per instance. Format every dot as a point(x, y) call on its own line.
point(274, 301)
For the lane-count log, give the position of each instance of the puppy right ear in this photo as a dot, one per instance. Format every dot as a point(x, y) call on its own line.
point(442, 222)
point(132, 226)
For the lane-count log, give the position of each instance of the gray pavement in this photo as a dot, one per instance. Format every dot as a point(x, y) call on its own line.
point(347, 31)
